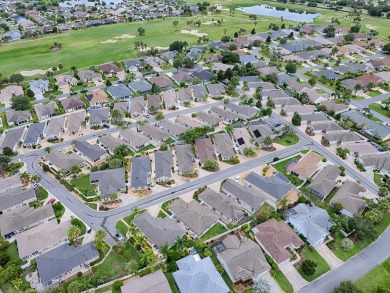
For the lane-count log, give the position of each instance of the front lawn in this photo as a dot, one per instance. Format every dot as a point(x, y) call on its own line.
point(380, 276)
point(113, 266)
point(378, 179)
point(282, 281)
point(214, 231)
point(322, 265)
point(288, 140)
point(374, 93)
point(121, 228)
point(82, 183)
point(280, 167)
point(378, 108)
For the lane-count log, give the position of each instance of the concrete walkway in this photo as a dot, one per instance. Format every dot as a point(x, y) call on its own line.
point(293, 276)
point(333, 261)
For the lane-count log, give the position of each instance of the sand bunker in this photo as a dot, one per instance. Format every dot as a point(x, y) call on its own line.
point(371, 27)
point(125, 37)
point(109, 41)
point(211, 22)
point(193, 32)
point(161, 48)
point(34, 72)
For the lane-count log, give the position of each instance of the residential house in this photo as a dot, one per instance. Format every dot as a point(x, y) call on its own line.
point(122, 107)
point(330, 75)
point(63, 161)
point(111, 70)
point(185, 159)
point(210, 119)
point(133, 65)
point(13, 198)
point(312, 222)
point(162, 81)
point(99, 116)
point(216, 89)
point(348, 196)
point(42, 238)
point(227, 116)
point(159, 231)
point(136, 140)
point(380, 162)
point(343, 137)
point(137, 106)
point(169, 99)
point(163, 163)
point(64, 261)
point(154, 61)
point(368, 79)
point(35, 132)
point(153, 282)
point(72, 103)
point(260, 131)
point(203, 75)
point(307, 166)
point(192, 269)
point(89, 76)
point(246, 112)
point(250, 199)
point(92, 152)
point(110, 143)
point(197, 219)
point(140, 173)
point(361, 148)
point(7, 93)
point(140, 86)
point(182, 77)
point(224, 146)
point(12, 138)
point(155, 133)
point(324, 127)
point(119, 91)
point(98, 97)
point(222, 205)
point(25, 217)
point(154, 103)
point(351, 84)
point(316, 117)
point(332, 106)
point(377, 130)
point(325, 181)
point(217, 66)
point(75, 121)
point(200, 92)
point(45, 111)
point(189, 121)
point(277, 238)
point(356, 117)
point(185, 94)
point(205, 150)
point(242, 138)
point(174, 129)
point(65, 82)
point(39, 87)
point(314, 96)
point(18, 117)
point(10, 183)
point(109, 181)
point(55, 128)
point(242, 258)
point(301, 109)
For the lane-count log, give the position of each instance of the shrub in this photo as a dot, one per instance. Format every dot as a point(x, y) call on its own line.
point(347, 244)
point(117, 284)
point(309, 267)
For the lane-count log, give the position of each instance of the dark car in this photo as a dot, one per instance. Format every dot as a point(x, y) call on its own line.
point(105, 125)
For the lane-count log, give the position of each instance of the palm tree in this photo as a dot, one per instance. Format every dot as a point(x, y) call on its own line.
point(35, 178)
point(24, 177)
point(283, 203)
point(287, 130)
point(147, 258)
point(75, 169)
point(73, 233)
point(100, 235)
point(116, 115)
point(267, 141)
point(101, 245)
point(140, 123)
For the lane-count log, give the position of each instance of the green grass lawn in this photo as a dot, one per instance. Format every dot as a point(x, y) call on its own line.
point(8, 288)
point(282, 281)
point(374, 93)
point(12, 252)
point(225, 276)
point(171, 282)
point(165, 205)
point(378, 179)
point(92, 206)
point(214, 231)
point(281, 165)
point(113, 266)
point(146, 148)
point(83, 183)
point(322, 265)
point(377, 108)
point(380, 276)
point(121, 228)
point(288, 141)
point(129, 219)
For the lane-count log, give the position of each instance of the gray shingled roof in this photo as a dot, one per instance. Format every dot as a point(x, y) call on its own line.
point(325, 181)
point(34, 132)
point(99, 116)
point(12, 137)
point(64, 161)
point(140, 167)
point(64, 258)
point(16, 196)
point(91, 151)
point(155, 282)
point(273, 185)
point(185, 156)
point(110, 181)
point(160, 231)
point(163, 161)
point(224, 145)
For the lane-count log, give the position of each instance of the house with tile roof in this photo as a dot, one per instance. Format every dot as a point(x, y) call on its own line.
point(349, 197)
point(307, 166)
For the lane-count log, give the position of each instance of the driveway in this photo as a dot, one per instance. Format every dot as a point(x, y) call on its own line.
point(293, 276)
point(333, 261)
point(274, 286)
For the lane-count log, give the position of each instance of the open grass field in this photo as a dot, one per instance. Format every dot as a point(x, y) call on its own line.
point(83, 48)
point(380, 276)
point(377, 108)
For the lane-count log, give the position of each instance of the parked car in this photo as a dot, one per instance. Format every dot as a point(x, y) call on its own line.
point(105, 125)
point(119, 237)
point(51, 201)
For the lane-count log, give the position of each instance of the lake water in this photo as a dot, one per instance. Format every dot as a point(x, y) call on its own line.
point(72, 3)
point(299, 16)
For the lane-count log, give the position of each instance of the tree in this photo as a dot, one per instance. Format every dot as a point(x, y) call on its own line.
point(261, 286)
point(116, 115)
point(375, 216)
point(347, 287)
point(100, 235)
point(363, 229)
point(4, 258)
point(159, 116)
point(131, 267)
point(7, 151)
point(383, 191)
point(312, 81)
point(296, 119)
point(308, 267)
point(386, 48)
point(347, 244)
point(141, 31)
point(30, 93)
point(73, 233)
point(211, 165)
point(115, 163)
point(291, 67)
point(147, 258)
point(267, 141)
point(122, 151)
point(249, 152)
point(4, 161)
point(358, 87)
point(21, 103)
point(75, 170)
point(16, 78)
point(75, 287)
point(349, 38)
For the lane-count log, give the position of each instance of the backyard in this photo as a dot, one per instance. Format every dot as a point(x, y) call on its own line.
point(281, 168)
point(122, 228)
point(214, 231)
point(82, 183)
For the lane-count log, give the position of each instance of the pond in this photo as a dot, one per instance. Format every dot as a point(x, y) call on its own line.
point(294, 15)
point(72, 3)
